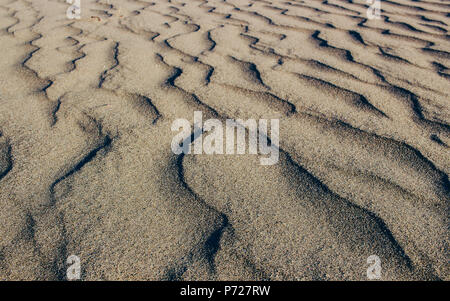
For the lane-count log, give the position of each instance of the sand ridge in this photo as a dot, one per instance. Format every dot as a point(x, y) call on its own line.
point(86, 166)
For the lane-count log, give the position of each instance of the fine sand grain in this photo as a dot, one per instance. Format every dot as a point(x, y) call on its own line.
point(86, 166)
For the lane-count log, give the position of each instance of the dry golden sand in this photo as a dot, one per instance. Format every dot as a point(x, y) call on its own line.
point(86, 166)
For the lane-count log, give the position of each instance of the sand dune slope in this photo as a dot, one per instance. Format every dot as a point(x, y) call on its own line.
point(86, 166)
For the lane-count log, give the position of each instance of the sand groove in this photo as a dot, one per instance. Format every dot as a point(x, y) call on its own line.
point(86, 166)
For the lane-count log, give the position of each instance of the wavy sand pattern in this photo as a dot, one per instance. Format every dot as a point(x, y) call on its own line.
point(86, 166)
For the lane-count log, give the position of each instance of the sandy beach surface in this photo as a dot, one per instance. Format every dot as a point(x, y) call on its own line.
point(87, 169)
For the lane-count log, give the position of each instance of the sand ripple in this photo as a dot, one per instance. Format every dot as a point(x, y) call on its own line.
point(86, 166)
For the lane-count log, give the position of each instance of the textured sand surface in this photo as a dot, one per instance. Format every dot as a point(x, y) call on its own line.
point(86, 168)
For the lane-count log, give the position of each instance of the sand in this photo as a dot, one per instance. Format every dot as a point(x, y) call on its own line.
point(86, 166)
